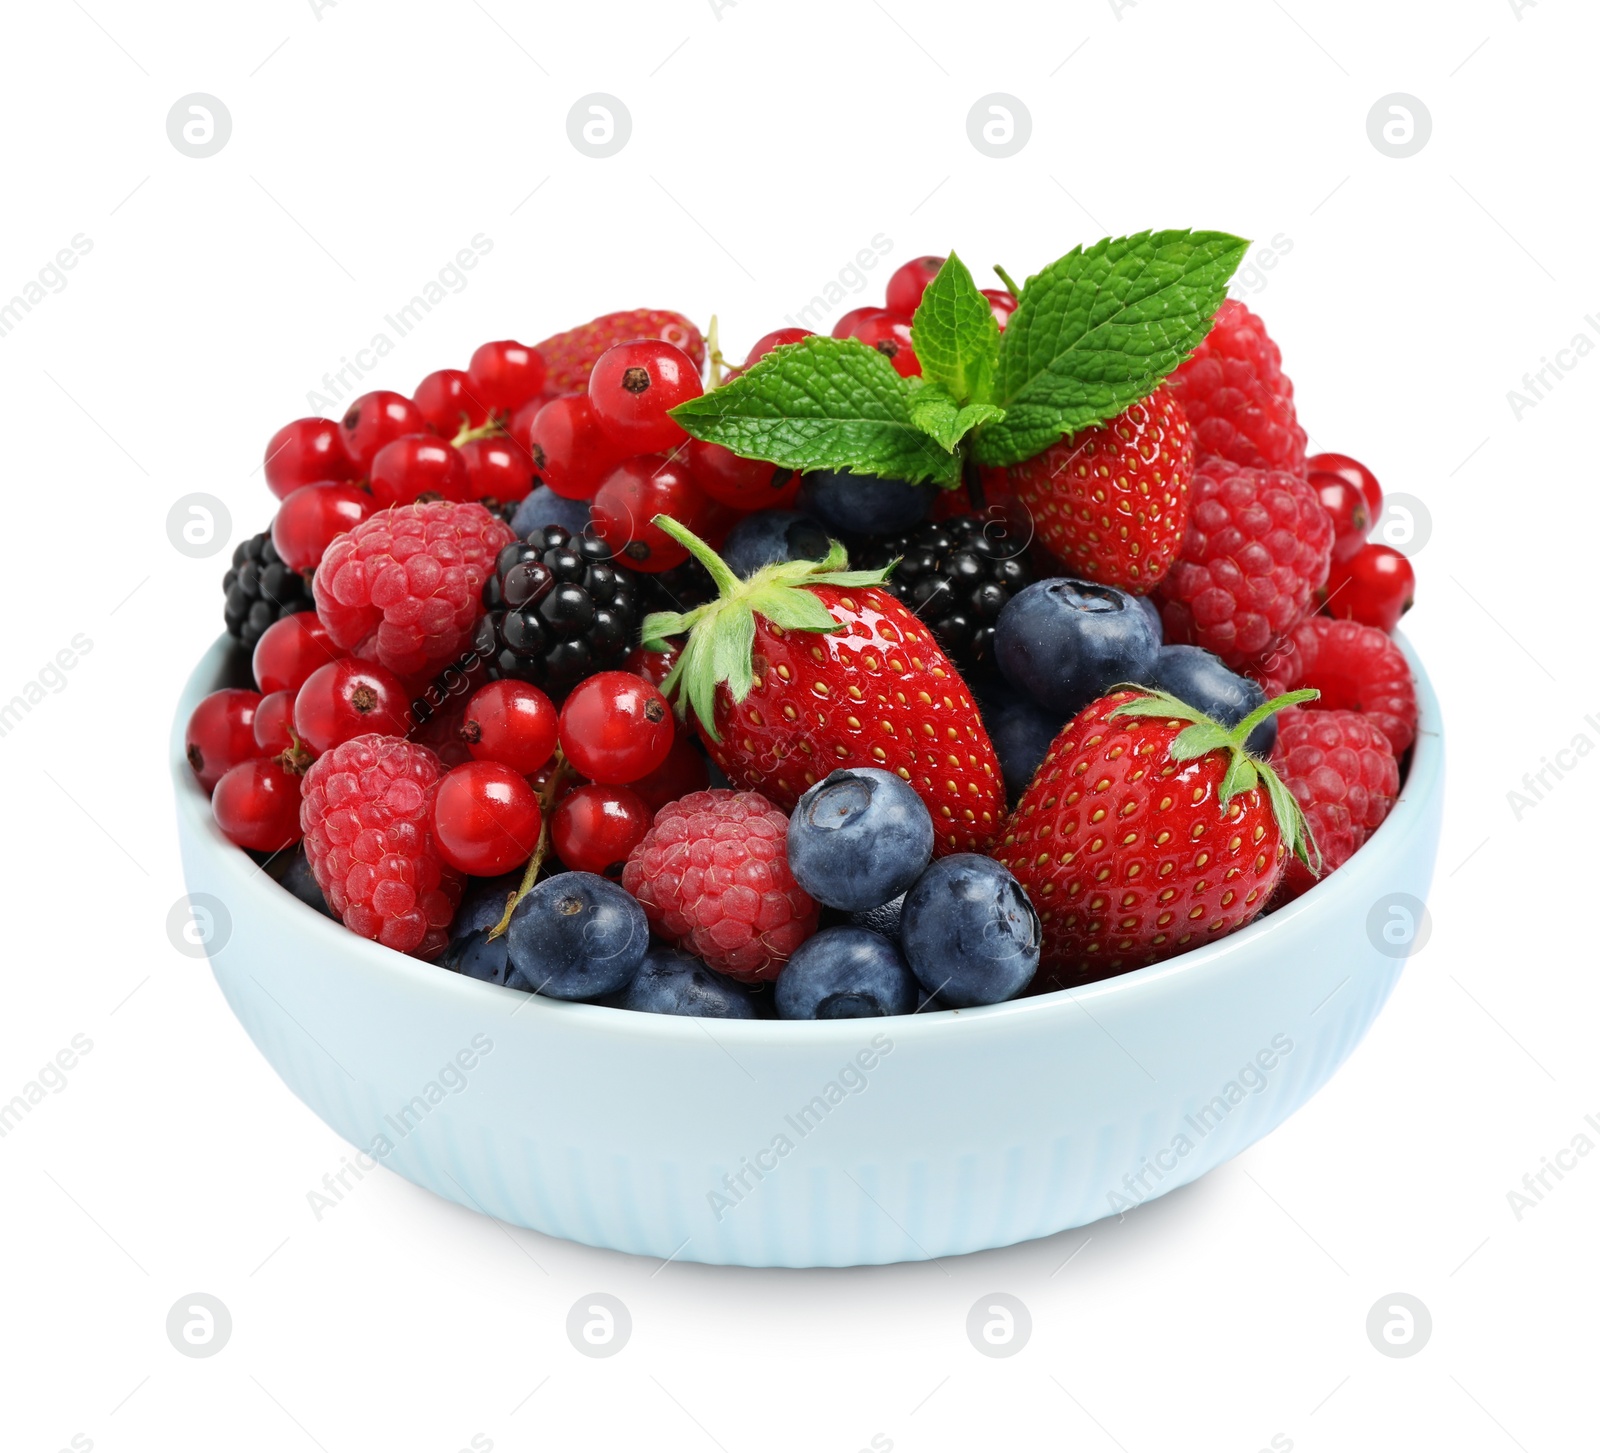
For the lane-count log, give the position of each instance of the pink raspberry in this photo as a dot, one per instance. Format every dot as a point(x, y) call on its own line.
point(365, 809)
point(712, 875)
point(1355, 667)
point(1240, 405)
point(1343, 775)
point(1255, 552)
point(404, 586)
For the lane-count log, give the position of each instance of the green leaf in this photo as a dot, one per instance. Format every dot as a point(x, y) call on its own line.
point(955, 336)
point(821, 403)
point(940, 417)
point(1099, 329)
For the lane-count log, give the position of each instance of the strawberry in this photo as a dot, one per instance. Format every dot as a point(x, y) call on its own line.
point(569, 356)
point(1111, 502)
point(806, 668)
point(1146, 831)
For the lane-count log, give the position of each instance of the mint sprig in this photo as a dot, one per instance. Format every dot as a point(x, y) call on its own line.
point(1095, 331)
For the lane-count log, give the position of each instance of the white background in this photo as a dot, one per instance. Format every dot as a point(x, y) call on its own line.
point(769, 144)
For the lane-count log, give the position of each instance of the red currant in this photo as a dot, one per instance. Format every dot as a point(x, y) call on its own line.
point(305, 452)
point(745, 484)
point(290, 650)
point(221, 733)
point(616, 727)
point(347, 699)
point(497, 469)
point(637, 491)
point(632, 387)
point(847, 325)
point(485, 819)
point(568, 450)
point(595, 828)
point(510, 722)
point(908, 282)
point(372, 421)
point(1356, 473)
point(1376, 586)
point(1347, 507)
point(654, 666)
point(507, 375)
point(775, 339)
point(274, 724)
point(418, 465)
point(890, 334)
point(257, 805)
point(1002, 303)
point(308, 519)
point(683, 772)
point(449, 401)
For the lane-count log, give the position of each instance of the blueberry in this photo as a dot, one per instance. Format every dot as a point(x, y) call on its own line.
point(576, 936)
point(1151, 609)
point(859, 838)
point(1066, 642)
point(298, 879)
point(969, 932)
point(863, 504)
point(669, 982)
point(471, 951)
point(544, 506)
point(846, 973)
point(1200, 680)
point(770, 536)
point(1021, 731)
point(884, 919)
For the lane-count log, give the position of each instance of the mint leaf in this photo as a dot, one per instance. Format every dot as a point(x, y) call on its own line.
point(821, 403)
point(1099, 329)
point(939, 416)
point(955, 336)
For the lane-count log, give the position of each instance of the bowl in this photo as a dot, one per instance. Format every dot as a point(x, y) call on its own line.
point(851, 1142)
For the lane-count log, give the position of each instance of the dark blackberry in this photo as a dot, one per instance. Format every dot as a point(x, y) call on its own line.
point(260, 590)
point(559, 609)
point(957, 575)
point(679, 589)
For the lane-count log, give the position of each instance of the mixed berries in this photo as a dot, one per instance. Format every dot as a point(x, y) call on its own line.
point(558, 694)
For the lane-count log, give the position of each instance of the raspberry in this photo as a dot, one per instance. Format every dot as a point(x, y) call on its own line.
point(365, 809)
point(1256, 550)
point(403, 586)
point(571, 355)
point(713, 877)
point(1239, 403)
point(1339, 766)
point(1355, 667)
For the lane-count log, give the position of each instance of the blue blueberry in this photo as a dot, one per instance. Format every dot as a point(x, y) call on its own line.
point(1199, 679)
point(863, 504)
point(969, 932)
point(543, 506)
point(1066, 642)
point(846, 973)
point(298, 879)
point(669, 982)
point(1021, 731)
point(1151, 609)
point(576, 936)
point(471, 951)
point(884, 919)
point(770, 536)
point(859, 838)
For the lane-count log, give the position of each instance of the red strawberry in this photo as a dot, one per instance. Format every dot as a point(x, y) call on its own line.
point(806, 668)
point(1354, 667)
point(1146, 831)
point(1111, 502)
point(1343, 775)
point(569, 356)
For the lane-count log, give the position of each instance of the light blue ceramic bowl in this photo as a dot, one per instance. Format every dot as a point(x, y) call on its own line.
point(813, 1144)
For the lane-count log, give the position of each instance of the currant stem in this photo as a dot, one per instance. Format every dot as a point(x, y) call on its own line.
point(530, 874)
point(1005, 277)
point(487, 430)
point(714, 352)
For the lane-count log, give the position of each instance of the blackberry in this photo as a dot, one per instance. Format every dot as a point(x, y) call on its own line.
point(679, 589)
point(260, 590)
point(559, 609)
point(957, 575)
